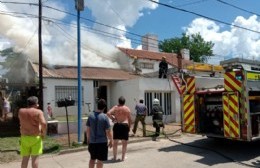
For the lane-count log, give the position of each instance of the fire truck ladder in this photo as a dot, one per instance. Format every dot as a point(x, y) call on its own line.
point(177, 82)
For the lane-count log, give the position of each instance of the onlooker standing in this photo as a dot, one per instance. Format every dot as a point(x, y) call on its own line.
point(121, 116)
point(1, 105)
point(6, 108)
point(33, 129)
point(49, 110)
point(157, 113)
point(98, 130)
point(141, 111)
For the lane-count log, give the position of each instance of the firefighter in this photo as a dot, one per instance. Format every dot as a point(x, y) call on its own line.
point(163, 68)
point(136, 64)
point(157, 114)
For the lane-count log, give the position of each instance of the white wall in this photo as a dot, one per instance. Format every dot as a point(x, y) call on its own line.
point(132, 90)
point(155, 66)
point(49, 95)
point(135, 89)
point(129, 89)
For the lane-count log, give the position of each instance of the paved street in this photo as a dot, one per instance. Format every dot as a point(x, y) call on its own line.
point(185, 151)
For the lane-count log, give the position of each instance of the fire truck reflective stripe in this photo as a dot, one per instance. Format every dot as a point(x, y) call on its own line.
point(177, 83)
point(231, 115)
point(189, 129)
point(188, 109)
point(231, 109)
point(189, 114)
point(231, 83)
point(183, 87)
point(253, 76)
point(230, 126)
point(191, 85)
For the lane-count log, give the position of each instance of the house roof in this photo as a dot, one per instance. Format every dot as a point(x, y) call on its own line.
point(94, 73)
point(171, 58)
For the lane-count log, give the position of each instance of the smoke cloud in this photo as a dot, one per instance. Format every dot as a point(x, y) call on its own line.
point(60, 40)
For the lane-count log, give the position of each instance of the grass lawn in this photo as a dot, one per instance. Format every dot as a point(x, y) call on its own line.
point(10, 148)
point(71, 118)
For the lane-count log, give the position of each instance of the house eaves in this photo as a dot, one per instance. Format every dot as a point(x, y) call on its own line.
point(171, 58)
point(90, 73)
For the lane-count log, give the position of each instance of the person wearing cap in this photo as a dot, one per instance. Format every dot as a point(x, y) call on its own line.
point(163, 68)
point(136, 64)
point(141, 111)
point(33, 129)
point(157, 113)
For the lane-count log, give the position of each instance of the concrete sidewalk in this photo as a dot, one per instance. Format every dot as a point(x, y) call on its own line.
point(170, 129)
point(76, 160)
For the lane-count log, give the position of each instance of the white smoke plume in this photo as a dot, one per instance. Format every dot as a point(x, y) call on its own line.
point(60, 40)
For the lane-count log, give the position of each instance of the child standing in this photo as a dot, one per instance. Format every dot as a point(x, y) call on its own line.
point(6, 108)
point(49, 111)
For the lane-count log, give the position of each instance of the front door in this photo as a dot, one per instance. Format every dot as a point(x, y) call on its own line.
point(102, 94)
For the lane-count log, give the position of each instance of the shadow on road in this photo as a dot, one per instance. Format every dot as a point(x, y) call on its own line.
point(217, 151)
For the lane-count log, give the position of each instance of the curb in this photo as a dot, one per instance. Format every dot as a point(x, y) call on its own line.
point(136, 140)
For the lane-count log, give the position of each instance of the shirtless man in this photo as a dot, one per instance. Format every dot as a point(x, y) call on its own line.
point(32, 128)
point(121, 116)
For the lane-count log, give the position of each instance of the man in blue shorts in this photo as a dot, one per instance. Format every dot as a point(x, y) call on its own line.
point(98, 131)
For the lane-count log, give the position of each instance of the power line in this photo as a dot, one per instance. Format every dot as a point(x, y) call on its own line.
point(237, 7)
point(115, 11)
point(72, 14)
point(203, 16)
point(96, 31)
point(192, 3)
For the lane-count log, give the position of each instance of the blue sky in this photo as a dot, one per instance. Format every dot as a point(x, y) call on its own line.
point(137, 17)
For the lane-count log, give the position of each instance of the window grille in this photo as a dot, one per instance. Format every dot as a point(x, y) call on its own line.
point(62, 92)
point(146, 65)
point(164, 99)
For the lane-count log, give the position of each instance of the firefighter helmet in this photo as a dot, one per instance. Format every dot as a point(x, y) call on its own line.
point(155, 101)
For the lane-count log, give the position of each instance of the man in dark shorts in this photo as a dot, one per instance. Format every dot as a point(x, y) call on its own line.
point(121, 116)
point(98, 131)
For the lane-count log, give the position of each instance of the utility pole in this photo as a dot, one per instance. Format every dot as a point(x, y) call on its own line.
point(79, 5)
point(40, 56)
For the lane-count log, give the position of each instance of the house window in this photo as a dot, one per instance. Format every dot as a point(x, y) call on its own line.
point(62, 92)
point(163, 97)
point(146, 65)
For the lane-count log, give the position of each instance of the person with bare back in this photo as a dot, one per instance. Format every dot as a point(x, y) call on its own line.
point(33, 129)
point(121, 116)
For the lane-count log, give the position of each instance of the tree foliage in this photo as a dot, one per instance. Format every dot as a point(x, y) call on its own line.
point(200, 50)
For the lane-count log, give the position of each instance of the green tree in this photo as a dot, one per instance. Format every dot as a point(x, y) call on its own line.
point(200, 50)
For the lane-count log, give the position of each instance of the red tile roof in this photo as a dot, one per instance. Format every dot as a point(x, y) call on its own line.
point(171, 58)
point(94, 73)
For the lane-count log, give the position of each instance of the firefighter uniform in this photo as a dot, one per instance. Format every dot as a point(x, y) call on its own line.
point(157, 114)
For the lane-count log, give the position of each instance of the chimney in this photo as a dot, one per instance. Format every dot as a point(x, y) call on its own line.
point(150, 42)
point(185, 54)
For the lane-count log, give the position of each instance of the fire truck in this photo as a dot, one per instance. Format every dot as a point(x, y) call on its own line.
point(222, 102)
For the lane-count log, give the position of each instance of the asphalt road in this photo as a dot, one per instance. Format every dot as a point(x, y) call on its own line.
point(180, 152)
